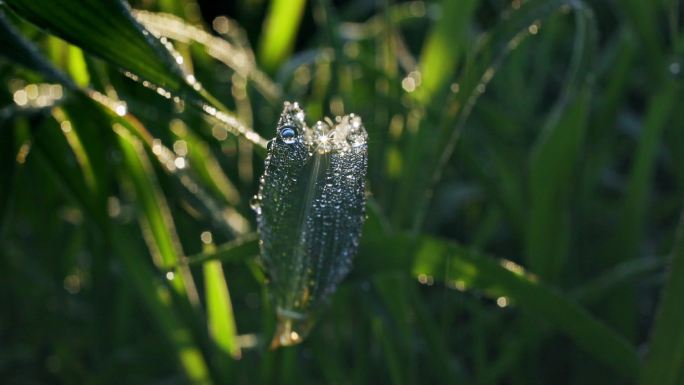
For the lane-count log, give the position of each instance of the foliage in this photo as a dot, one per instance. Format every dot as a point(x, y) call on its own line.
point(525, 184)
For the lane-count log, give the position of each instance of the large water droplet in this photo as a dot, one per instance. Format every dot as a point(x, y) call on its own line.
point(288, 134)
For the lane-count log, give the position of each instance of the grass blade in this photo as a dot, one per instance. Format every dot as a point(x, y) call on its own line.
point(279, 31)
point(505, 278)
point(119, 40)
point(664, 363)
point(220, 317)
point(551, 177)
point(436, 259)
point(123, 42)
point(236, 250)
point(620, 305)
point(156, 219)
point(555, 157)
point(444, 47)
point(16, 48)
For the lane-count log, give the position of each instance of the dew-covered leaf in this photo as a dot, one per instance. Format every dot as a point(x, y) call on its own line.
point(106, 29)
point(310, 209)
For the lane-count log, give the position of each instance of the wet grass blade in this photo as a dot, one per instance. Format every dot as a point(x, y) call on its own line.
point(664, 363)
point(505, 278)
point(107, 29)
point(122, 41)
point(156, 219)
point(435, 259)
point(238, 57)
point(310, 212)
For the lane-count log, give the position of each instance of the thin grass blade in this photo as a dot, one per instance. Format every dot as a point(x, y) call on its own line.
point(156, 219)
point(664, 363)
point(220, 317)
point(279, 31)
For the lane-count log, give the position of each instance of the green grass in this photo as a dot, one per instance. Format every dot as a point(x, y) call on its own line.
point(525, 182)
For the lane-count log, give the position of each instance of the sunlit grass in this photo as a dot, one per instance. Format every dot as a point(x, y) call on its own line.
point(525, 183)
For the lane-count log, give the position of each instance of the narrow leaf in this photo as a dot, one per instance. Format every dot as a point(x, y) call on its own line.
point(220, 317)
point(107, 29)
point(310, 209)
point(156, 219)
point(664, 363)
point(237, 250)
point(16, 48)
point(462, 268)
point(445, 47)
point(279, 31)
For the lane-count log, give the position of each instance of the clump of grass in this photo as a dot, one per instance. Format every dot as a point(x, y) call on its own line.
point(524, 174)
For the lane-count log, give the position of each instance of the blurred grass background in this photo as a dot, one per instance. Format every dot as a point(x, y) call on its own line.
point(526, 181)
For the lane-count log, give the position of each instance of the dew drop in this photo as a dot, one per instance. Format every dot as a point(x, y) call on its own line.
point(255, 203)
point(288, 134)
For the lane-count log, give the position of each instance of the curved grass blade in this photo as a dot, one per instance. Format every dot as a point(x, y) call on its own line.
point(239, 60)
point(464, 269)
point(434, 259)
point(310, 209)
point(107, 29)
point(473, 84)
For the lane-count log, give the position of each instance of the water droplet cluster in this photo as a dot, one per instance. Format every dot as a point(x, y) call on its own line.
point(310, 210)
